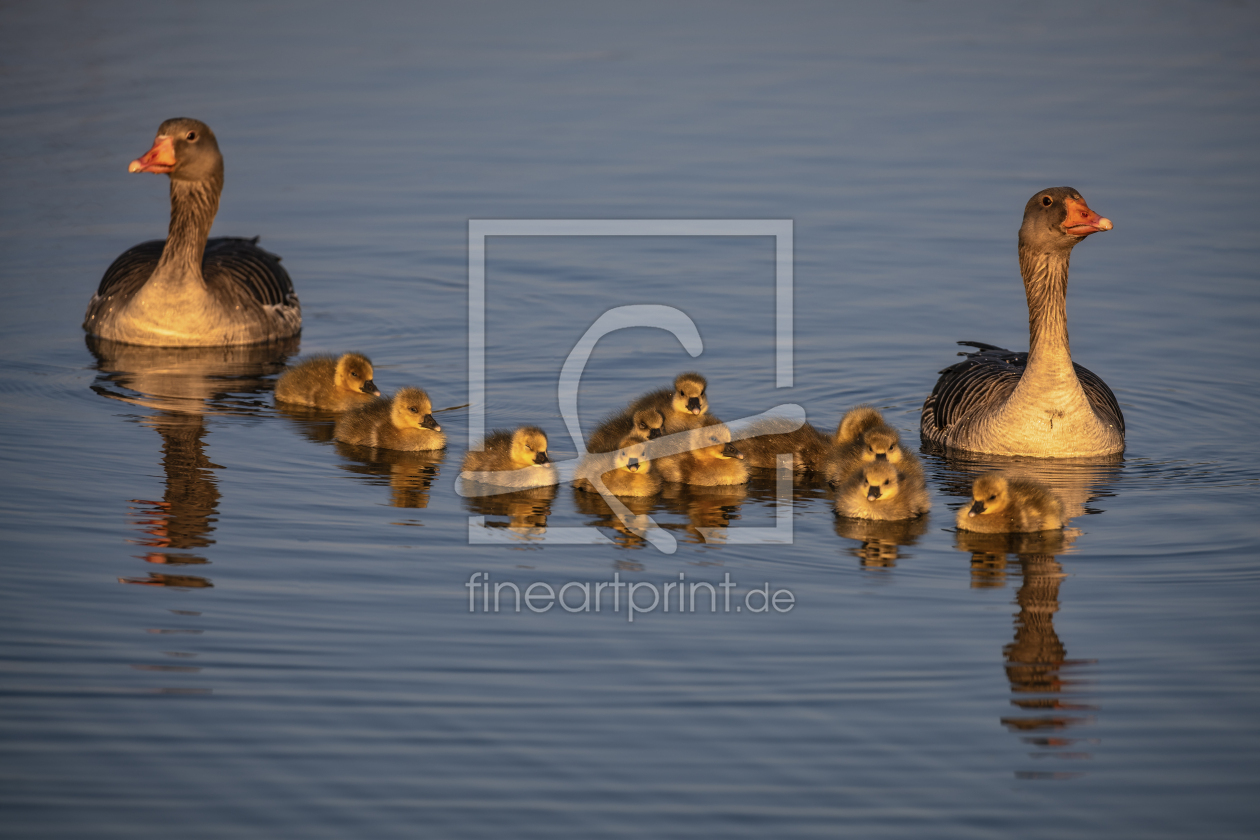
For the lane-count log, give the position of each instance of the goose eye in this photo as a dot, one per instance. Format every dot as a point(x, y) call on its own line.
point(414, 410)
point(994, 496)
point(355, 375)
point(1046, 201)
point(192, 135)
point(887, 481)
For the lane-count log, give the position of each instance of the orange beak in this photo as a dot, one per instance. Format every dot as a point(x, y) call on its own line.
point(1081, 221)
point(159, 159)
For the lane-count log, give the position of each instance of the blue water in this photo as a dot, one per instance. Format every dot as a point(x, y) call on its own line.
point(218, 622)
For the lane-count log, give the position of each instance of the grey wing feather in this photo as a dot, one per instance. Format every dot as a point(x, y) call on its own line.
point(988, 377)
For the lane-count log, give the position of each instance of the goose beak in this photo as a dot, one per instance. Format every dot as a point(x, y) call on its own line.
point(633, 465)
point(541, 458)
point(881, 456)
point(369, 387)
point(653, 434)
point(693, 405)
point(1081, 221)
point(430, 423)
point(159, 159)
point(729, 451)
point(872, 494)
point(976, 510)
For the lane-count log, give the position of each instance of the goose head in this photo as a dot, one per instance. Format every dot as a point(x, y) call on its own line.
point(529, 447)
point(689, 397)
point(412, 409)
point(1056, 219)
point(714, 441)
point(185, 149)
point(354, 373)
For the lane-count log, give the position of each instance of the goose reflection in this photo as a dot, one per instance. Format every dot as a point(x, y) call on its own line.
point(181, 386)
point(709, 510)
point(1043, 679)
point(600, 515)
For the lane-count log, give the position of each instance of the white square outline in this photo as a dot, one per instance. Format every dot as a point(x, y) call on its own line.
point(780, 229)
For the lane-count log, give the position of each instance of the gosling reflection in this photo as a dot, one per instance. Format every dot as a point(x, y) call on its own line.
point(1042, 678)
point(409, 474)
point(881, 541)
point(709, 510)
point(182, 386)
point(526, 510)
point(600, 515)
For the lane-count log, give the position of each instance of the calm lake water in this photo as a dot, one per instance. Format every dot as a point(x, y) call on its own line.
point(218, 622)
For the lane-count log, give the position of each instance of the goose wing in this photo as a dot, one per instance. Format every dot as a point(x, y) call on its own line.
point(986, 378)
point(236, 267)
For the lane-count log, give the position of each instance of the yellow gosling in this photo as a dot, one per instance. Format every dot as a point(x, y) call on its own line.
point(329, 384)
point(403, 422)
point(1004, 503)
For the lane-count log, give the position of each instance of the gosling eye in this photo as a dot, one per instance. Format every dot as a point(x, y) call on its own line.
point(992, 497)
point(191, 136)
point(1046, 201)
point(355, 375)
point(887, 481)
point(414, 410)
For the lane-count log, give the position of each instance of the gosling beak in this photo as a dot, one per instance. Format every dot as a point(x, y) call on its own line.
point(369, 387)
point(633, 465)
point(430, 423)
point(541, 458)
point(872, 494)
point(881, 456)
point(653, 434)
point(976, 509)
point(159, 159)
point(1081, 221)
point(729, 451)
point(693, 405)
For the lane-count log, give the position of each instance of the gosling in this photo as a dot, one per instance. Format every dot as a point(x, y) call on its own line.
point(807, 446)
point(625, 428)
point(713, 461)
point(404, 422)
point(519, 457)
point(862, 436)
point(1004, 503)
point(684, 407)
point(881, 490)
point(329, 384)
point(631, 475)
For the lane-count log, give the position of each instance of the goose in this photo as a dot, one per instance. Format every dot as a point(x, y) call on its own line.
point(1038, 403)
point(519, 456)
point(644, 424)
point(883, 490)
point(403, 422)
point(332, 384)
point(631, 473)
point(861, 436)
point(190, 291)
point(1003, 503)
point(684, 407)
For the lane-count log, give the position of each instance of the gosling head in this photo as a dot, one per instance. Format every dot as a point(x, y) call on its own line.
point(1056, 219)
point(412, 409)
point(881, 445)
point(648, 424)
point(989, 494)
point(354, 373)
point(689, 397)
point(880, 481)
point(632, 459)
point(529, 447)
point(715, 441)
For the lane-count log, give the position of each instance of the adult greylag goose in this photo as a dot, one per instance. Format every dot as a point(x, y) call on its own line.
point(191, 291)
point(1038, 403)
